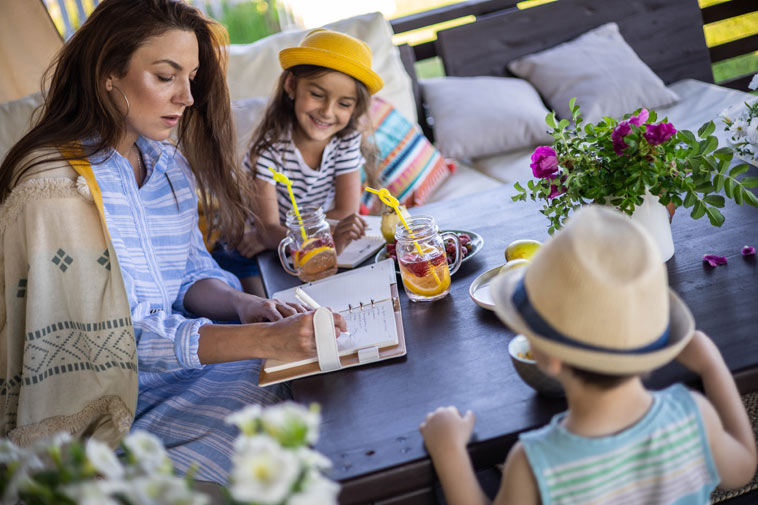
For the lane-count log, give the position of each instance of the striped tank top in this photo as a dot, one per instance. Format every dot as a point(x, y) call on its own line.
point(663, 459)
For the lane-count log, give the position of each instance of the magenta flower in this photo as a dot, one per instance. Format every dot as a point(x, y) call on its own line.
point(617, 136)
point(714, 260)
point(748, 250)
point(640, 118)
point(557, 189)
point(544, 162)
point(659, 133)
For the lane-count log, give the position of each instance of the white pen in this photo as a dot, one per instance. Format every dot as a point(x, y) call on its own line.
point(312, 304)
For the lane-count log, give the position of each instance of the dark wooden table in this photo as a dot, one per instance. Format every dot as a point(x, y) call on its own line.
point(457, 351)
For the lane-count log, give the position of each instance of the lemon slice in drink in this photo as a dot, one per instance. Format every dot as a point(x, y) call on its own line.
point(427, 285)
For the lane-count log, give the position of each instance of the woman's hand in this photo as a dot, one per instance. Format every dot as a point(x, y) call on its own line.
point(348, 229)
point(254, 309)
point(250, 245)
point(445, 430)
point(293, 338)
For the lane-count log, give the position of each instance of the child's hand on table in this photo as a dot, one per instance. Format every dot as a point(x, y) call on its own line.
point(446, 429)
point(348, 229)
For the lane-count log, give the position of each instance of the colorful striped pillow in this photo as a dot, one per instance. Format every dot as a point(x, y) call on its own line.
point(411, 168)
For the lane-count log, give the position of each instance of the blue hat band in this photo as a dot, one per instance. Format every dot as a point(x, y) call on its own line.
point(541, 327)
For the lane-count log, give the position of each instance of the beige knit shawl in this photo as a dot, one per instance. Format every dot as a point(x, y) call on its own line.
point(67, 350)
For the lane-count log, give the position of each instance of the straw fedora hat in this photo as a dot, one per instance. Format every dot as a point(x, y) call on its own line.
point(596, 296)
point(335, 50)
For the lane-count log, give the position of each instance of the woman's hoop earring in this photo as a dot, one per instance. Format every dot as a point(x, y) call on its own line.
point(123, 95)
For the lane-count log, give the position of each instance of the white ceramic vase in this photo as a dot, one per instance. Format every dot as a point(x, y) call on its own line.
point(654, 217)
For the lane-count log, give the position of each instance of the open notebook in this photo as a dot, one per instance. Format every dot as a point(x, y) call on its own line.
point(365, 247)
point(367, 298)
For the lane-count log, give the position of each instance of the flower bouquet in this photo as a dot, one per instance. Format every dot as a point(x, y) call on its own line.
point(272, 465)
point(741, 124)
point(620, 162)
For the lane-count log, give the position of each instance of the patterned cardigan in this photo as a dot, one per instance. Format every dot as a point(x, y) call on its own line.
point(68, 358)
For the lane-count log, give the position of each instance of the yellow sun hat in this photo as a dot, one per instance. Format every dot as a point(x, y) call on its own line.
point(337, 51)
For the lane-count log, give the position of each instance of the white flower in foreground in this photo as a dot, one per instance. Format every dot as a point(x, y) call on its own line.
point(291, 424)
point(102, 457)
point(739, 128)
point(315, 490)
point(246, 419)
point(263, 472)
point(753, 83)
point(91, 492)
point(148, 451)
point(313, 459)
point(163, 490)
point(10, 452)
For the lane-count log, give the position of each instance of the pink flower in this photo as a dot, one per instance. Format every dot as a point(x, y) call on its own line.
point(544, 162)
point(659, 133)
point(714, 260)
point(557, 189)
point(639, 119)
point(748, 250)
point(622, 130)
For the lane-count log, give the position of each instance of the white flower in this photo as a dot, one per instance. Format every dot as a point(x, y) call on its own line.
point(753, 83)
point(104, 459)
point(148, 451)
point(289, 421)
point(92, 492)
point(739, 128)
point(751, 131)
point(315, 490)
point(10, 452)
point(163, 490)
point(263, 471)
point(313, 459)
point(246, 419)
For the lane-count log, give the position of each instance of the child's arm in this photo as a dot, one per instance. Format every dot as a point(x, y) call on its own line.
point(446, 434)
point(270, 230)
point(730, 435)
point(347, 199)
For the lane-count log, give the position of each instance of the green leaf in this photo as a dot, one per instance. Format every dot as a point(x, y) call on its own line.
point(739, 170)
point(738, 196)
point(750, 198)
point(517, 186)
point(706, 129)
point(729, 188)
point(715, 200)
point(698, 211)
point(715, 216)
point(563, 124)
point(708, 145)
point(690, 199)
point(718, 183)
point(724, 154)
point(750, 182)
point(704, 187)
point(571, 103)
point(689, 137)
point(550, 119)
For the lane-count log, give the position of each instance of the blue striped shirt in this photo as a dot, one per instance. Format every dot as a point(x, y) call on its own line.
point(161, 254)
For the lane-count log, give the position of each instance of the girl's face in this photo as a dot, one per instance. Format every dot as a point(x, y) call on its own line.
point(157, 84)
point(324, 104)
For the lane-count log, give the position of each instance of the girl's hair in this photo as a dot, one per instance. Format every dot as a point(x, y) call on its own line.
point(77, 106)
point(280, 117)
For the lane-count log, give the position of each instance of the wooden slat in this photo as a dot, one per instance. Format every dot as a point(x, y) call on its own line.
point(738, 83)
point(735, 48)
point(668, 36)
point(448, 12)
point(728, 10)
point(424, 51)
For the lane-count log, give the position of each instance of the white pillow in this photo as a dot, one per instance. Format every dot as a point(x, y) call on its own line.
point(16, 120)
point(247, 113)
point(254, 68)
point(598, 68)
point(480, 116)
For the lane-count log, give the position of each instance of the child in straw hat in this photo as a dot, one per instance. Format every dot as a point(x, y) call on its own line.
point(311, 132)
point(618, 443)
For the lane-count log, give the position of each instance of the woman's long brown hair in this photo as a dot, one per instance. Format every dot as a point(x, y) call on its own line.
point(280, 118)
point(77, 106)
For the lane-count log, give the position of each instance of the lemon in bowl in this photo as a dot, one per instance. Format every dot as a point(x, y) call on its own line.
point(521, 249)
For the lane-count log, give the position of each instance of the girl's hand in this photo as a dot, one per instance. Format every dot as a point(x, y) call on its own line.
point(699, 354)
point(293, 338)
point(254, 309)
point(348, 229)
point(445, 429)
point(250, 245)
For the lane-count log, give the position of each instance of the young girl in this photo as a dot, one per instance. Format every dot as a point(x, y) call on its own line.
point(310, 133)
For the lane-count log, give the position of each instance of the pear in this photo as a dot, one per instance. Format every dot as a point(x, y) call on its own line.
point(517, 263)
point(390, 220)
point(521, 249)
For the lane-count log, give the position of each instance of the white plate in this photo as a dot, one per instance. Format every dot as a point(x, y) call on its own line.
point(479, 291)
point(477, 242)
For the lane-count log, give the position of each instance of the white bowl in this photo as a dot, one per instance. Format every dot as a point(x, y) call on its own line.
point(528, 370)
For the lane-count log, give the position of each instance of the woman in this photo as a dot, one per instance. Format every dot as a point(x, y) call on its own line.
point(104, 257)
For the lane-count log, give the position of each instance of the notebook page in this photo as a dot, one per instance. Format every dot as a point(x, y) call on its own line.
point(370, 326)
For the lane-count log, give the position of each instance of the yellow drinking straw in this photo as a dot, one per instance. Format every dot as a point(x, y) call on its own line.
point(386, 197)
point(280, 177)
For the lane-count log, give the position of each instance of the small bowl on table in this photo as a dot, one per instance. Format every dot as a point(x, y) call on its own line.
point(527, 369)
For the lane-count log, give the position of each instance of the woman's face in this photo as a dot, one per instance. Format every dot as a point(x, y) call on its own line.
point(323, 104)
point(157, 85)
